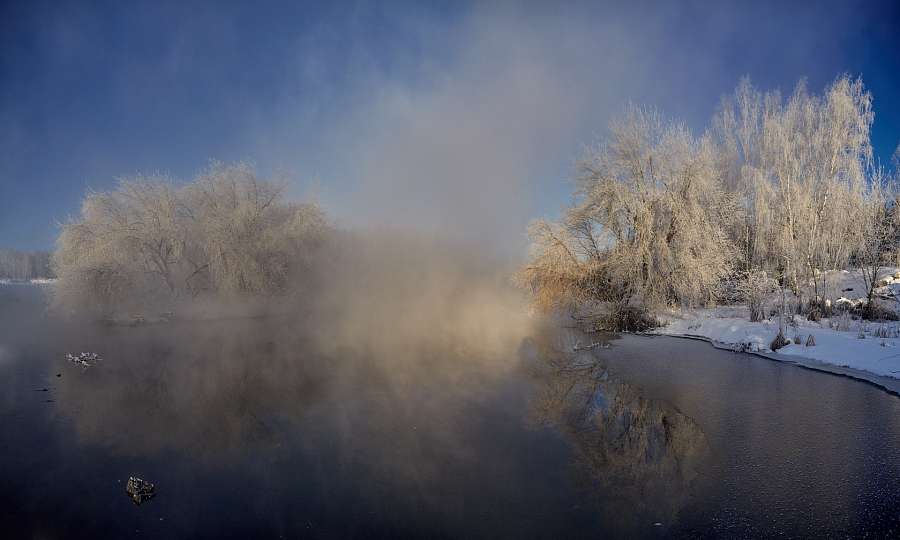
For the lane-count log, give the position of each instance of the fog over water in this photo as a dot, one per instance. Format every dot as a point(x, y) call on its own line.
point(382, 416)
point(401, 311)
point(358, 399)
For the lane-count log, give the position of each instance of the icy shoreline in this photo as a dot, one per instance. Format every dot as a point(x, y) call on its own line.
point(871, 359)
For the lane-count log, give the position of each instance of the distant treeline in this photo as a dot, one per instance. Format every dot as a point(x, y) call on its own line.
point(16, 264)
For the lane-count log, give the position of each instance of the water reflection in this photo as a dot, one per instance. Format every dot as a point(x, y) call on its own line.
point(211, 389)
point(386, 316)
point(353, 435)
point(346, 426)
point(635, 456)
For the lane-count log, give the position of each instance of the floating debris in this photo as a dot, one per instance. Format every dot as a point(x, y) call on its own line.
point(601, 345)
point(84, 359)
point(134, 319)
point(139, 491)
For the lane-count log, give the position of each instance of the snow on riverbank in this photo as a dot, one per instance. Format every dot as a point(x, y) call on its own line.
point(36, 281)
point(880, 356)
point(863, 349)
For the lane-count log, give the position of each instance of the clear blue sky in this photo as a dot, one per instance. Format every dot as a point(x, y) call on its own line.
point(461, 115)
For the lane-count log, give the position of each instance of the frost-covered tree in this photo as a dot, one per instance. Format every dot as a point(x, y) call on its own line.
point(152, 242)
point(799, 170)
point(775, 190)
point(878, 236)
point(244, 240)
point(13, 264)
point(645, 226)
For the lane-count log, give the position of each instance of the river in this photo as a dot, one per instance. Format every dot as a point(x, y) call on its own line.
point(258, 427)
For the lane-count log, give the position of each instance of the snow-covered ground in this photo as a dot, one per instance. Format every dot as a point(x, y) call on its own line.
point(878, 355)
point(842, 345)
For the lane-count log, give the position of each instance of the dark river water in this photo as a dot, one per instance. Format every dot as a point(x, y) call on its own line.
point(258, 427)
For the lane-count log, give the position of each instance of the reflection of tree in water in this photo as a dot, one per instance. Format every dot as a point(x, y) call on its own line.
point(635, 456)
point(216, 389)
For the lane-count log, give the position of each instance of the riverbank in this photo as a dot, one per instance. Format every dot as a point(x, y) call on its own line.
point(35, 281)
point(864, 350)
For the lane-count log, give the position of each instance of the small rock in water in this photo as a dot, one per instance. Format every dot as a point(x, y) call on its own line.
point(139, 491)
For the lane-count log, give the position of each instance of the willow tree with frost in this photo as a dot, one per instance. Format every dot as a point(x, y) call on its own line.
point(645, 227)
point(152, 243)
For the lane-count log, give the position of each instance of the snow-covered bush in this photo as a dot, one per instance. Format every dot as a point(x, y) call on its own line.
point(842, 322)
point(754, 289)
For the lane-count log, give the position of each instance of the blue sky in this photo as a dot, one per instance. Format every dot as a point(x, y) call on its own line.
point(460, 116)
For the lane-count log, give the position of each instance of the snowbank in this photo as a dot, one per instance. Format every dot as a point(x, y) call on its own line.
point(37, 281)
point(868, 350)
point(861, 349)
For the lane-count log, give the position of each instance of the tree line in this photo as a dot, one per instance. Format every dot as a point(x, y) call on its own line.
point(774, 194)
point(16, 264)
point(155, 242)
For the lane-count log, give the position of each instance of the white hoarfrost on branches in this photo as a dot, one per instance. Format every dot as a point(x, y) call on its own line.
point(800, 171)
point(776, 195)
point(645, 227)
point(153, 242)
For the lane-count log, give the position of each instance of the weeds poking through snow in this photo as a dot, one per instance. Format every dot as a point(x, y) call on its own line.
point(843, 322)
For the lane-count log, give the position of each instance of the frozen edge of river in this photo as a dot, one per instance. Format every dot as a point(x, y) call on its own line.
point(886, 383)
